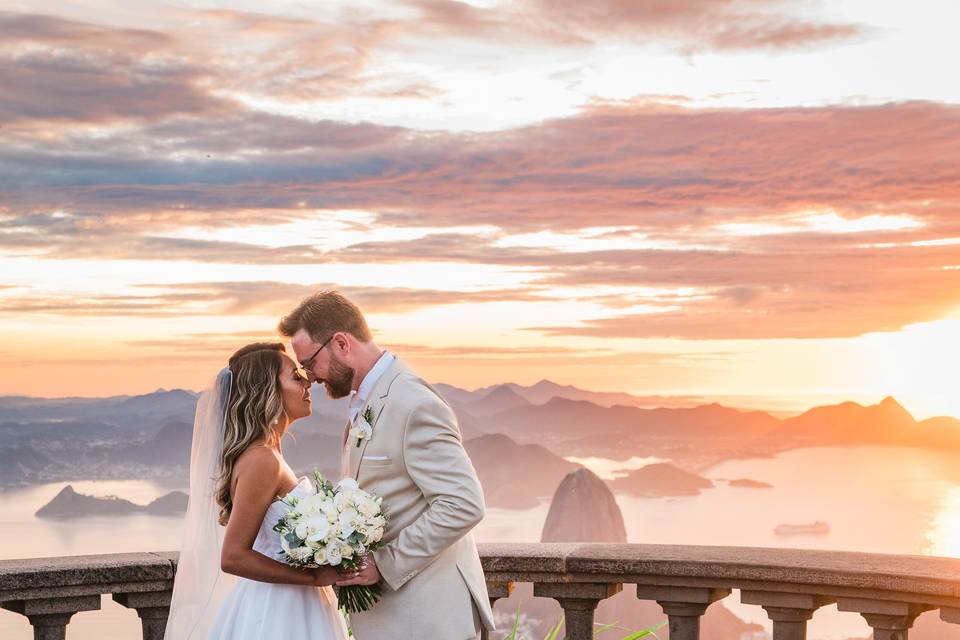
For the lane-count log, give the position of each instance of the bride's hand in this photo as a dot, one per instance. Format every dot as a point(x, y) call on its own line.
point(324, 576)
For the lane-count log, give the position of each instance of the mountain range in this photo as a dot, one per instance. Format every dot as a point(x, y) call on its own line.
point(509, 429)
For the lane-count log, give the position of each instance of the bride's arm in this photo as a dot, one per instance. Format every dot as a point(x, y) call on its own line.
point(258, 475)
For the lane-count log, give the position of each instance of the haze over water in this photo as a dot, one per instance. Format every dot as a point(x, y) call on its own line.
point(893, 500)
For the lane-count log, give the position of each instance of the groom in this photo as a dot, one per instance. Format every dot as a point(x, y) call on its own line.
point(403, 444)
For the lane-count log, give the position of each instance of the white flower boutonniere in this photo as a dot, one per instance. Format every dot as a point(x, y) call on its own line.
point(362, 428)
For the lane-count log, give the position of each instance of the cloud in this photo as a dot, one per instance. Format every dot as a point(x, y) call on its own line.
point(54, 31)
point(240, 298)
point(689, 26)
point(802, 294)
point(660, 169)
point(192, 61)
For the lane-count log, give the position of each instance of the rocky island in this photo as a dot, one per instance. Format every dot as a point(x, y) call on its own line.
point(70, 504)
point(661, 479)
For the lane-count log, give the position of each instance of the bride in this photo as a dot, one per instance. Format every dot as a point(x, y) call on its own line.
point(229, 583)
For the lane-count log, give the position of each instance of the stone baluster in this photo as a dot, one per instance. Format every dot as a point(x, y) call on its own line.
point(496, 591)
point(788, 611)
point(683, 605)
point(579, 601)
point(889, 620)
point(51, 616)
point(153, 607)
point(950, 614)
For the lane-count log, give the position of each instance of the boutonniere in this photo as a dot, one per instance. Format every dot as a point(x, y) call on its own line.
point(362, 428)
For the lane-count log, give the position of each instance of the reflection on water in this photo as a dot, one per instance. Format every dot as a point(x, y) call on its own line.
point(879, 499)
point(944, 532)
point(612, 469)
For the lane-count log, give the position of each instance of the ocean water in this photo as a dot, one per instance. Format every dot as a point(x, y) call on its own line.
point(877, 499)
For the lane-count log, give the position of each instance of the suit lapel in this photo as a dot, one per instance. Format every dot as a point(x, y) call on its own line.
point(376, 402)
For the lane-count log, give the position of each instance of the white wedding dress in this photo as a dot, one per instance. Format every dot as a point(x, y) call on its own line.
point(261, 610)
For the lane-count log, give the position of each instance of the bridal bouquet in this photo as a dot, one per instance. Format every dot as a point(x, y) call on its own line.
point(337, 525)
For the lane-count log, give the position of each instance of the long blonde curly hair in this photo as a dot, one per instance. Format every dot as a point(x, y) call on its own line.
point(254, 407)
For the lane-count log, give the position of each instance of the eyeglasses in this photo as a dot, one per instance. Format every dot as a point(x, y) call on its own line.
point(308, 363)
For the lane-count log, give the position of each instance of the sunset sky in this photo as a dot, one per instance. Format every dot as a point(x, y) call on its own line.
point(753, 201)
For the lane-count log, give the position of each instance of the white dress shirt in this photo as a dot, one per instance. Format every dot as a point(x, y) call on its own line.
point(359, 397)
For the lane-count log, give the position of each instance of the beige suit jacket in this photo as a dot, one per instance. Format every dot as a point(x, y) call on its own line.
point(433, 584)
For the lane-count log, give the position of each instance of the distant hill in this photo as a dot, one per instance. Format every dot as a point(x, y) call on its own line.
point(171, 504)
point(498, 399)
point(853, 423)
point(545, 390)
point(583, 509)
point(307, 452)
point(562, 419)
point(22, 465)
point(50, 440)
point(515, 476)
point(170, 447)
point(660, 480)
point(70, 504)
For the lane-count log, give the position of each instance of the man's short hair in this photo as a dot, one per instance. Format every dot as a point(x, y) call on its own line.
point(323, 314)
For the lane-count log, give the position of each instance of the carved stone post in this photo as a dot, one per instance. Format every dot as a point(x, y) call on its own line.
point(495, 591)
point(579, 601)
point(950, 614)
point(153, 607)
point(889, 620)
point(788, 611)
point(683, 605)
point(50, 617)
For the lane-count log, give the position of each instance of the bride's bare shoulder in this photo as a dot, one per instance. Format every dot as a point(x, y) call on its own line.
point(259, 461)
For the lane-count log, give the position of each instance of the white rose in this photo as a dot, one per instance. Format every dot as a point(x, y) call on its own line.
point(346, 551)
point(329, 509)
point(320, 556)
point(368, 507)
point(347, 484)
point(333, 556)
point(301, 530)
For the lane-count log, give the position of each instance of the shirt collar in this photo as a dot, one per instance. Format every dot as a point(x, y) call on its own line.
point(369, 380)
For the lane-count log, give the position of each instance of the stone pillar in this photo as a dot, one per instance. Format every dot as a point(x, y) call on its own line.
point(683, 606)
point(495, 591)
point(153, 607)
point(950, 614)
point(788, 611)
point(889, 620)
point(579, 601)
point(50, 617)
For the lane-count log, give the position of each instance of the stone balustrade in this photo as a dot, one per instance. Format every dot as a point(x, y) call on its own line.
point(889, 591)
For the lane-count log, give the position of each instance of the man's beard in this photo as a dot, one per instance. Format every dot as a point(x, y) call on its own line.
point(339, 380)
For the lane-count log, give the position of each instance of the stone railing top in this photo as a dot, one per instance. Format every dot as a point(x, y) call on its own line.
point(921, 575)
point(19, 578)
point(887, 576)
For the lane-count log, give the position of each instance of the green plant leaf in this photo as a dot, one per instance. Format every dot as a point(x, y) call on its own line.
point(556, 630)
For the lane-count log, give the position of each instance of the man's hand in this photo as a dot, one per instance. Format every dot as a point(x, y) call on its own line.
point(366, 574)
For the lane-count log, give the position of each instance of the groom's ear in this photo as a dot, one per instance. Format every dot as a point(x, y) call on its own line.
point(341, 343)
